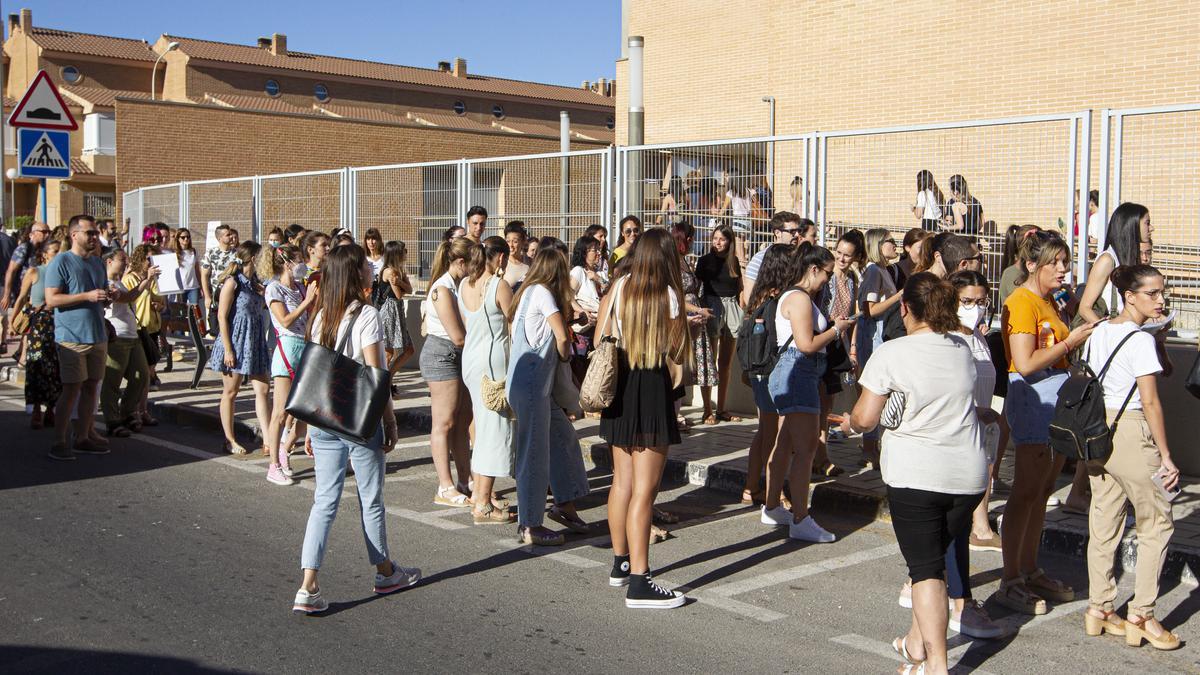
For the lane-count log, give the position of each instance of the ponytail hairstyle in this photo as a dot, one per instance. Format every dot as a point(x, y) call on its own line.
point(490, 251)
point(1124, 231)
point(777, 273)
point(272, 265)
point(394, 254)
point(341, 286)
point(1040, 248)
point(1013, 237)
point(810, 255)
point(458, 248)
point(731, 259)
point(932, 301)
point(311, 240)
point(244, 255)
point(548, 268)
point(1129, 278)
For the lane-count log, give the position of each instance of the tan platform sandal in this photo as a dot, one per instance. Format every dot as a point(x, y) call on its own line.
point(1135, 633)
point(1110, 623)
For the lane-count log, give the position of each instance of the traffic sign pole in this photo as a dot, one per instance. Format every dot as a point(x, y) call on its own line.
point(42, 196)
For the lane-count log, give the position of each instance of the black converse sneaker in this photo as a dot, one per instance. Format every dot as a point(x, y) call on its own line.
point(643, 593)
point(619, 576)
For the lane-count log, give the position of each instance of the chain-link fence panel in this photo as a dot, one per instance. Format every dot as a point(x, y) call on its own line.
point(1156, 163)
point(553, 195)
point(231, 202)
point(313, 200)
point(411, 204)
point(975, 179)
point(131, 214)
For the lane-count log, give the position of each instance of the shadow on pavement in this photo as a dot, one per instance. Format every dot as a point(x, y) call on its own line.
point(55, 660)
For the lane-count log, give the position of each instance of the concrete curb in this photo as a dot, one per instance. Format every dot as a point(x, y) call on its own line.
point(1181, 563)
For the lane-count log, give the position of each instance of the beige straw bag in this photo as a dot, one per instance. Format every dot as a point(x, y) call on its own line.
point(495, 398)
point(599, 386)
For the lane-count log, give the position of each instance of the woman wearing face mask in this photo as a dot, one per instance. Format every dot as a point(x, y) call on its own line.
point(1037, 342)
point(1139, 459)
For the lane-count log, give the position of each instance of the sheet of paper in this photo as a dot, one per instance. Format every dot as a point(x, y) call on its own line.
point(170, 281)
point(1154, 326)
point(210, 239)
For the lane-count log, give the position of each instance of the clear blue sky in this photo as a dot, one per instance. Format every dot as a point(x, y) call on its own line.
point(555, 41)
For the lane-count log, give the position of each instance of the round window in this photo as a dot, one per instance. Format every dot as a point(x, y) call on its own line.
point(611, 123)
point(498, 112)
point(321, 93)
point(459, 107)
point(71, 75)
point(271, 87)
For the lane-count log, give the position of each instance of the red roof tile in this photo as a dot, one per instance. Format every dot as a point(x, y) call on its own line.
point(93, 45)
point(98, 96)
point(361, 113)
point(334, 65)
point(80, 167)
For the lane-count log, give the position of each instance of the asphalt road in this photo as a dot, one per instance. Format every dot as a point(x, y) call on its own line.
point(163, 556)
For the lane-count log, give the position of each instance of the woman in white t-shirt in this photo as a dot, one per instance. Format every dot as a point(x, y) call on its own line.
point(288, 306)
point(126, 359)
point(548, 453)
point(345, 282)
point(933, 460)
point(189, 265)
point(1140, 462)
point(441, 367)
point(928, 206)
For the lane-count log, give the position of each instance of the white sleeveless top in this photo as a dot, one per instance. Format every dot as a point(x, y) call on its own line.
point(1107, 294)
point(433, 322)
point(783, 325)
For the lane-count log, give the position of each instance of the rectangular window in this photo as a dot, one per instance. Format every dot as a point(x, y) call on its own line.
point(100, 134)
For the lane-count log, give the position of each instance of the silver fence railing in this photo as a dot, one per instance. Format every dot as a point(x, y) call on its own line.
point(1152, 156)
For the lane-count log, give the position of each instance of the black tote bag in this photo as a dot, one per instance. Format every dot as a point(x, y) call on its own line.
point(337, 394)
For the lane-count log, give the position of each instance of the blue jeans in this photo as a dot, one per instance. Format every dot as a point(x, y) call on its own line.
point(329, 459)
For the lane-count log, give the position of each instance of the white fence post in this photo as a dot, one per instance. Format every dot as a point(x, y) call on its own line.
point(1105, 167)
point(1084, 180)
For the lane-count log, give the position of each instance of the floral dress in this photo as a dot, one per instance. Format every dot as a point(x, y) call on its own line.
point(247, 333)
point(42, 384)
point(706, 367)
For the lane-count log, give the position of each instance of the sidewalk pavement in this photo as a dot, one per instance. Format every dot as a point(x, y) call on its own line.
point(712, 456)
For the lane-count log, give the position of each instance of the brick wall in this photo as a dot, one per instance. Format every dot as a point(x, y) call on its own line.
point(841, 65)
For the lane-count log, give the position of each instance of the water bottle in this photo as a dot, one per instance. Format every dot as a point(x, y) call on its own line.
point(991, 441)
point(760, 327)
point(1046, 336)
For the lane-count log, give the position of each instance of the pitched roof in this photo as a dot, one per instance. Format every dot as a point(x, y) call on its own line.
point(361, 113)
point(334, 65)
point(264, 103)
point(448, 121)
point(80, 167)
point(98, 96)
point(93, 45)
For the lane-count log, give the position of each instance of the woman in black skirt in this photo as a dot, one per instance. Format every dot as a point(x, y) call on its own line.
point(642, 310)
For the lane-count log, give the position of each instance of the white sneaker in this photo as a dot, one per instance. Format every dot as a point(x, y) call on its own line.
point(776, 517)
point(276, 476)
point(809, 530)
point(309, 603)
point(1053, 501)
point(401, 578)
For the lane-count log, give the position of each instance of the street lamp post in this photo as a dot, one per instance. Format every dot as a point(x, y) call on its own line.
point(171, 46)
point(771, 146)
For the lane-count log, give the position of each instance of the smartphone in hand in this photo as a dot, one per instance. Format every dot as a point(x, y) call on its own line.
point(1169, 495)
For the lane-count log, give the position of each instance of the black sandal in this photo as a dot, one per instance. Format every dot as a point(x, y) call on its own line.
point(119, 431)
point(133, 424)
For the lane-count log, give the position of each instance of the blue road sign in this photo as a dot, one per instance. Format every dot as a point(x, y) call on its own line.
point(44, 153)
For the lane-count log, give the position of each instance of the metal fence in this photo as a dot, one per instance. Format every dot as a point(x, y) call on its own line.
point(1020, 170)
point(1152, 156)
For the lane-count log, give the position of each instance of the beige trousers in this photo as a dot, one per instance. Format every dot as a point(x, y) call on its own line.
point(1125, 476)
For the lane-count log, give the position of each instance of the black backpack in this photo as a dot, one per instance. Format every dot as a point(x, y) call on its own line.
point(757, 352)
point(380, 291)
point(1079, 428)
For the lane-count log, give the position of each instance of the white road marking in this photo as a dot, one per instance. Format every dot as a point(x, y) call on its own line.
point(820, 567)
point(884, 650)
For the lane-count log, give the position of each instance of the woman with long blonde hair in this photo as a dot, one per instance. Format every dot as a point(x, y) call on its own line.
point(651, 330)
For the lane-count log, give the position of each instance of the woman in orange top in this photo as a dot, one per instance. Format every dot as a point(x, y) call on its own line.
point(1037, 343)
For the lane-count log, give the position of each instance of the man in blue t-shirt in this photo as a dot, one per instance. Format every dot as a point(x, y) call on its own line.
point(76, 287)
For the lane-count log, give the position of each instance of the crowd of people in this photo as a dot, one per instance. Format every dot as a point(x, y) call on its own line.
point(509, 322)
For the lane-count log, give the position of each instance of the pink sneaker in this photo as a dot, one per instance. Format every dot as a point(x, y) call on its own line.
point(275, 475)
point(285, 464)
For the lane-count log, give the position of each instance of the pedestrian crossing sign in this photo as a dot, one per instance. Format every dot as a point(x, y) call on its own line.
point(44, 153)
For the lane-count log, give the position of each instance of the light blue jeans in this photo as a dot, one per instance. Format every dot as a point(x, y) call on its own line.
point(329, 459)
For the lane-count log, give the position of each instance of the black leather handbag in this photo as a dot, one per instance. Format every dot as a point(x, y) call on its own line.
point(337, 394)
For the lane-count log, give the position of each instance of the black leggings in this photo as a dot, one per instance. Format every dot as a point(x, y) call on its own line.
point(925, 523)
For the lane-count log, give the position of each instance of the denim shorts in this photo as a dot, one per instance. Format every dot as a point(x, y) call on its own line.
point(793, 383)
point(440, 360)
point(762, 395)
point(292, 348)
point(1030, 405)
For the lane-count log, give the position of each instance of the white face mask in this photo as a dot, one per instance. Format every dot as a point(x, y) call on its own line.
point(970, 317)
